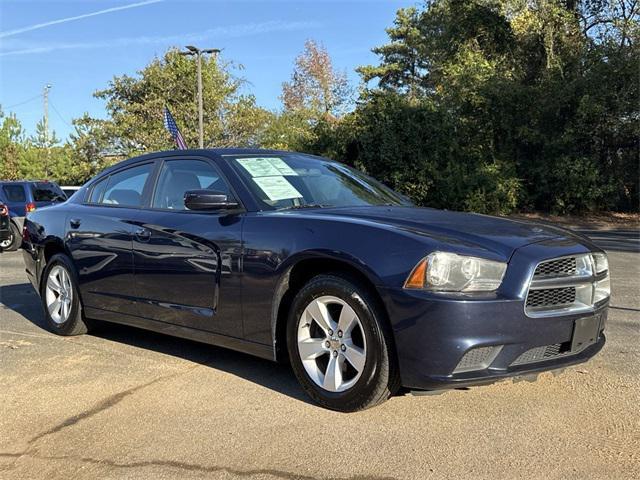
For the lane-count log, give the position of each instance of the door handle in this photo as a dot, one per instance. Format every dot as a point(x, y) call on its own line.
point(75, 223)
point(143, 234)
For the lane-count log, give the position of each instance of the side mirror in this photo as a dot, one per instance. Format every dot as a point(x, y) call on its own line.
point(208, 200)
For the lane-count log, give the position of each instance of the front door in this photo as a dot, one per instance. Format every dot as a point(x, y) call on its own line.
point(187, 263)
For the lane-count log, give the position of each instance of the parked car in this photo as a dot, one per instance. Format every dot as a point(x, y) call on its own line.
point(5, 226)
point(69, 190)
point(292, 257)
point(22, 197)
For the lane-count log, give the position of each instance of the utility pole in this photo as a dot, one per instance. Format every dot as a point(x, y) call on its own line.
point(45, 99)
point(198, 54)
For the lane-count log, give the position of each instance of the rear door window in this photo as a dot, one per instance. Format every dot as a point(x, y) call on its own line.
point(125, 188)
point(97, 191)
point(15, 193)
point(47, 192)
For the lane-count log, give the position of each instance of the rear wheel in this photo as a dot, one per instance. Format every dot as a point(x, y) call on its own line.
point(61, 299)
point(12, 243)
point(339, 344)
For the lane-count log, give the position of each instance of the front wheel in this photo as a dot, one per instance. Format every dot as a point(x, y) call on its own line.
point(61, 298)
point(339, 344)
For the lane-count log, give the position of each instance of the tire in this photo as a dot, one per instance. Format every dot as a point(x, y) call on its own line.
point(69, 321)
point(15, 239)
point(363, 360)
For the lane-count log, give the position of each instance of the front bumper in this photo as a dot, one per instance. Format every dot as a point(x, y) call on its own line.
point(433, 332)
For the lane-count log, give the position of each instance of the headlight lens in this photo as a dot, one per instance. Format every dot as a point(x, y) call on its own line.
point(601, 261)
point(603, 290)
point(449, 272)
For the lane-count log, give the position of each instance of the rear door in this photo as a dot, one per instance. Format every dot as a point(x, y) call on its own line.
point(100, 233)
point(187, 263)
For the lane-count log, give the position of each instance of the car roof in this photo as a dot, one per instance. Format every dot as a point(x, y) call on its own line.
point(23, 182)
point(204, 152)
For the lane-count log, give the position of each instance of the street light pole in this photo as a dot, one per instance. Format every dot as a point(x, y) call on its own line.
point(198, 54)
point(45, 98)
point(200, 108)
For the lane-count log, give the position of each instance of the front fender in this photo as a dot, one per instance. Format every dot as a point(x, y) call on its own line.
point(285, 268)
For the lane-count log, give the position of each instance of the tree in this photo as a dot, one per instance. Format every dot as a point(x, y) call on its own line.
point(403, 63)
point(316, 88)
point(11, 139)
point(135, 107)
point(529, 104)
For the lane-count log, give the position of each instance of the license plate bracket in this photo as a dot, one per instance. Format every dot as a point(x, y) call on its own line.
point(585, 332)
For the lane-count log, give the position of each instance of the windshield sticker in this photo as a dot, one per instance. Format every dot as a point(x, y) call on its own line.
point(266, 167)
point(277, 188)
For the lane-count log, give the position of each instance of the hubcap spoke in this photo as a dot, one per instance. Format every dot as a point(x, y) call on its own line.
point(65, 309)
point(333, 375)
point(318, 312)
point(348, 319)
point(311, 348)
point(54, 306)
point(53, 284)
point(355, 356)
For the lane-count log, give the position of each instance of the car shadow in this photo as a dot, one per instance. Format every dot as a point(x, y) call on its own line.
point(23, 299)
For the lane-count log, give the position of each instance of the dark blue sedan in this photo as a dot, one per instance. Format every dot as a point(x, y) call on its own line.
point(299, 258)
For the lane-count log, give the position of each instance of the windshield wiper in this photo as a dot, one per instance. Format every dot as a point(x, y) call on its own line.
point(306, 205)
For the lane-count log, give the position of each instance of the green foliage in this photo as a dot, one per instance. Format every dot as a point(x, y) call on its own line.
point(498, 105)
point(135, 106)
point(484, 105)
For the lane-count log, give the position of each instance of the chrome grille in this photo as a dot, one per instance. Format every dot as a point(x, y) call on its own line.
point(551, 297)
point(564, 285)
point(554, 268)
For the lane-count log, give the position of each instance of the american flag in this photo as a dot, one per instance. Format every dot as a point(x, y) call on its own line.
point(170, 125)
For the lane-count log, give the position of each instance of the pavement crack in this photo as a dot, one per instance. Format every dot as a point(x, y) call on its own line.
point(103, 405)
point(194, 467)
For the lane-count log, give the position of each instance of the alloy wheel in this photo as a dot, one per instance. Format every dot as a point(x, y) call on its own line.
point(331, 343)
point(59, 294)
point(4, 244)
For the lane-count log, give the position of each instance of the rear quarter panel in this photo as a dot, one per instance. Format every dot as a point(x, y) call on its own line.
point(46, 227)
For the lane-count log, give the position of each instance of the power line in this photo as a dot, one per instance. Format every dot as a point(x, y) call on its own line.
point(59, 114)
point(23, 102)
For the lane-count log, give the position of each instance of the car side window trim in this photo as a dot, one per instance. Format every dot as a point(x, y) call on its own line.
point(90, 190)
point(145, 191)
point(149, 206)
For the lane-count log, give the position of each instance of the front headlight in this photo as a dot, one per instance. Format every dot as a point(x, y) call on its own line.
point(449, 272)
point(601, 262)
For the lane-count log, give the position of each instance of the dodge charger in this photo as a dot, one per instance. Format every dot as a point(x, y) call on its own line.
point(301, 259)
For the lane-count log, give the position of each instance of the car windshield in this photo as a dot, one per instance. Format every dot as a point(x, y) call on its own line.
point(287, 181)
point(47, 192)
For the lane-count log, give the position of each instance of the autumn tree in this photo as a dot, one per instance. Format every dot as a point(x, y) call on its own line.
point(316, 88)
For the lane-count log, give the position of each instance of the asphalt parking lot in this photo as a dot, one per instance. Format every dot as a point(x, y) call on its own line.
point(126, 403)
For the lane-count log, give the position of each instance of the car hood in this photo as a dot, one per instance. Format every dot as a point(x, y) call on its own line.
point(466, 230)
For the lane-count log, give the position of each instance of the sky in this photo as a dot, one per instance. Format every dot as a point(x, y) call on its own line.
point(78, 46)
